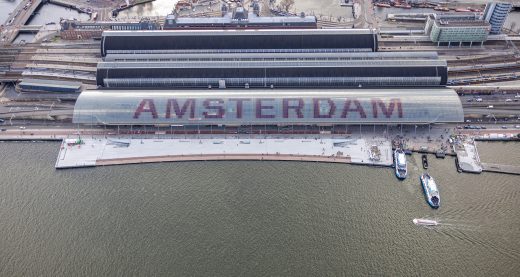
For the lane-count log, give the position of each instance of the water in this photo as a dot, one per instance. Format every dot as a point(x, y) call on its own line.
point(250, 218)
point(382, 12)
point(155, 8)
point(326, 8)
point(499, 152)
point(24, 38)
point(53, 13)
point(7, 7)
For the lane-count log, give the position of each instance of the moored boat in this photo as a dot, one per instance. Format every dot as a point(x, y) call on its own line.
point(442, 9)
point(457, 165)
point(424, 161)
point(383, 5)
point(401, 169)
point(430, 190)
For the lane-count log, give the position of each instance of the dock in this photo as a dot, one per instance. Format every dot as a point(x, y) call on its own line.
point(501, 168)
point(467, 157)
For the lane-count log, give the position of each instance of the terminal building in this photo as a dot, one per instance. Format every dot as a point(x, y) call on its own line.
point(268, 107)
point(268, 40)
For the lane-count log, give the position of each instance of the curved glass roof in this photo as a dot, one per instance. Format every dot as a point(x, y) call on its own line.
point(299, 106)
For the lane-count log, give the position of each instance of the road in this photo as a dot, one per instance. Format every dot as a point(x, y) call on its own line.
point(17, 19)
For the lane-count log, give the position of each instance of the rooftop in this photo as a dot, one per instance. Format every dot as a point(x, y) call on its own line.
point(50, 83)
point(229, 32)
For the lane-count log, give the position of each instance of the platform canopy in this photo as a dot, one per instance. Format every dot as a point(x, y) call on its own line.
point(259, 107)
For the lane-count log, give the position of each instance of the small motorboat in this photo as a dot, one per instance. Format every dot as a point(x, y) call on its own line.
point(426, 222)
point(424, 161)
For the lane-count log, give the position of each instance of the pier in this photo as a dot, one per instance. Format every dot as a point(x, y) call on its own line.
point(501, 168)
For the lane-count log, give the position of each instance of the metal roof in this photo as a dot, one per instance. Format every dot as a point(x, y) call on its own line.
point(50, 83)
point(219, 51)
point(231, 32)
point(351, 106)
point(272, 64)
point(281, 56)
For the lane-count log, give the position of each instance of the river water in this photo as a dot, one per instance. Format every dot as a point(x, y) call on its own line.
point(250, 218)
point(6, 7)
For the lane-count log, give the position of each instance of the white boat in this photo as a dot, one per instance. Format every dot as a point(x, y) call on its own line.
point(426, 222)
point(400, 163)
point(430, 190)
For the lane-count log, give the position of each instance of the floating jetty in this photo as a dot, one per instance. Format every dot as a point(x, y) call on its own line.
point(467, 157)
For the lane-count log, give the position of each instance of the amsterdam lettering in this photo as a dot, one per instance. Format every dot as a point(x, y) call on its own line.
point(266, 108)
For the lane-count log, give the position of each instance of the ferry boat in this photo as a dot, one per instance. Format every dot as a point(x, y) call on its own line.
point(430, 190)
point(400, 164)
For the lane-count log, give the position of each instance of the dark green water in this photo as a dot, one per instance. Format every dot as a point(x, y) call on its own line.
point(249, 219)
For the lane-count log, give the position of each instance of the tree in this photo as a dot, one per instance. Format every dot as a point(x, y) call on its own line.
point(286, 5)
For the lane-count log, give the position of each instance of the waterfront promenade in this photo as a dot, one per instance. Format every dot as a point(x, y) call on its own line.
point(110, 151)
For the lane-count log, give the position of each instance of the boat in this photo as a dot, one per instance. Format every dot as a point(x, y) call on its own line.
point(424, 161)
point(426, 222)
point(430, 190)
point(457, 165)
point(462, 10)
point(403, 6)
point(400, 164)
point(442, 9)
point(383, 5)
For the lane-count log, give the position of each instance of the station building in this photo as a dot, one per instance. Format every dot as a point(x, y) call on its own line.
point(269, 40)
point(309, 107)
